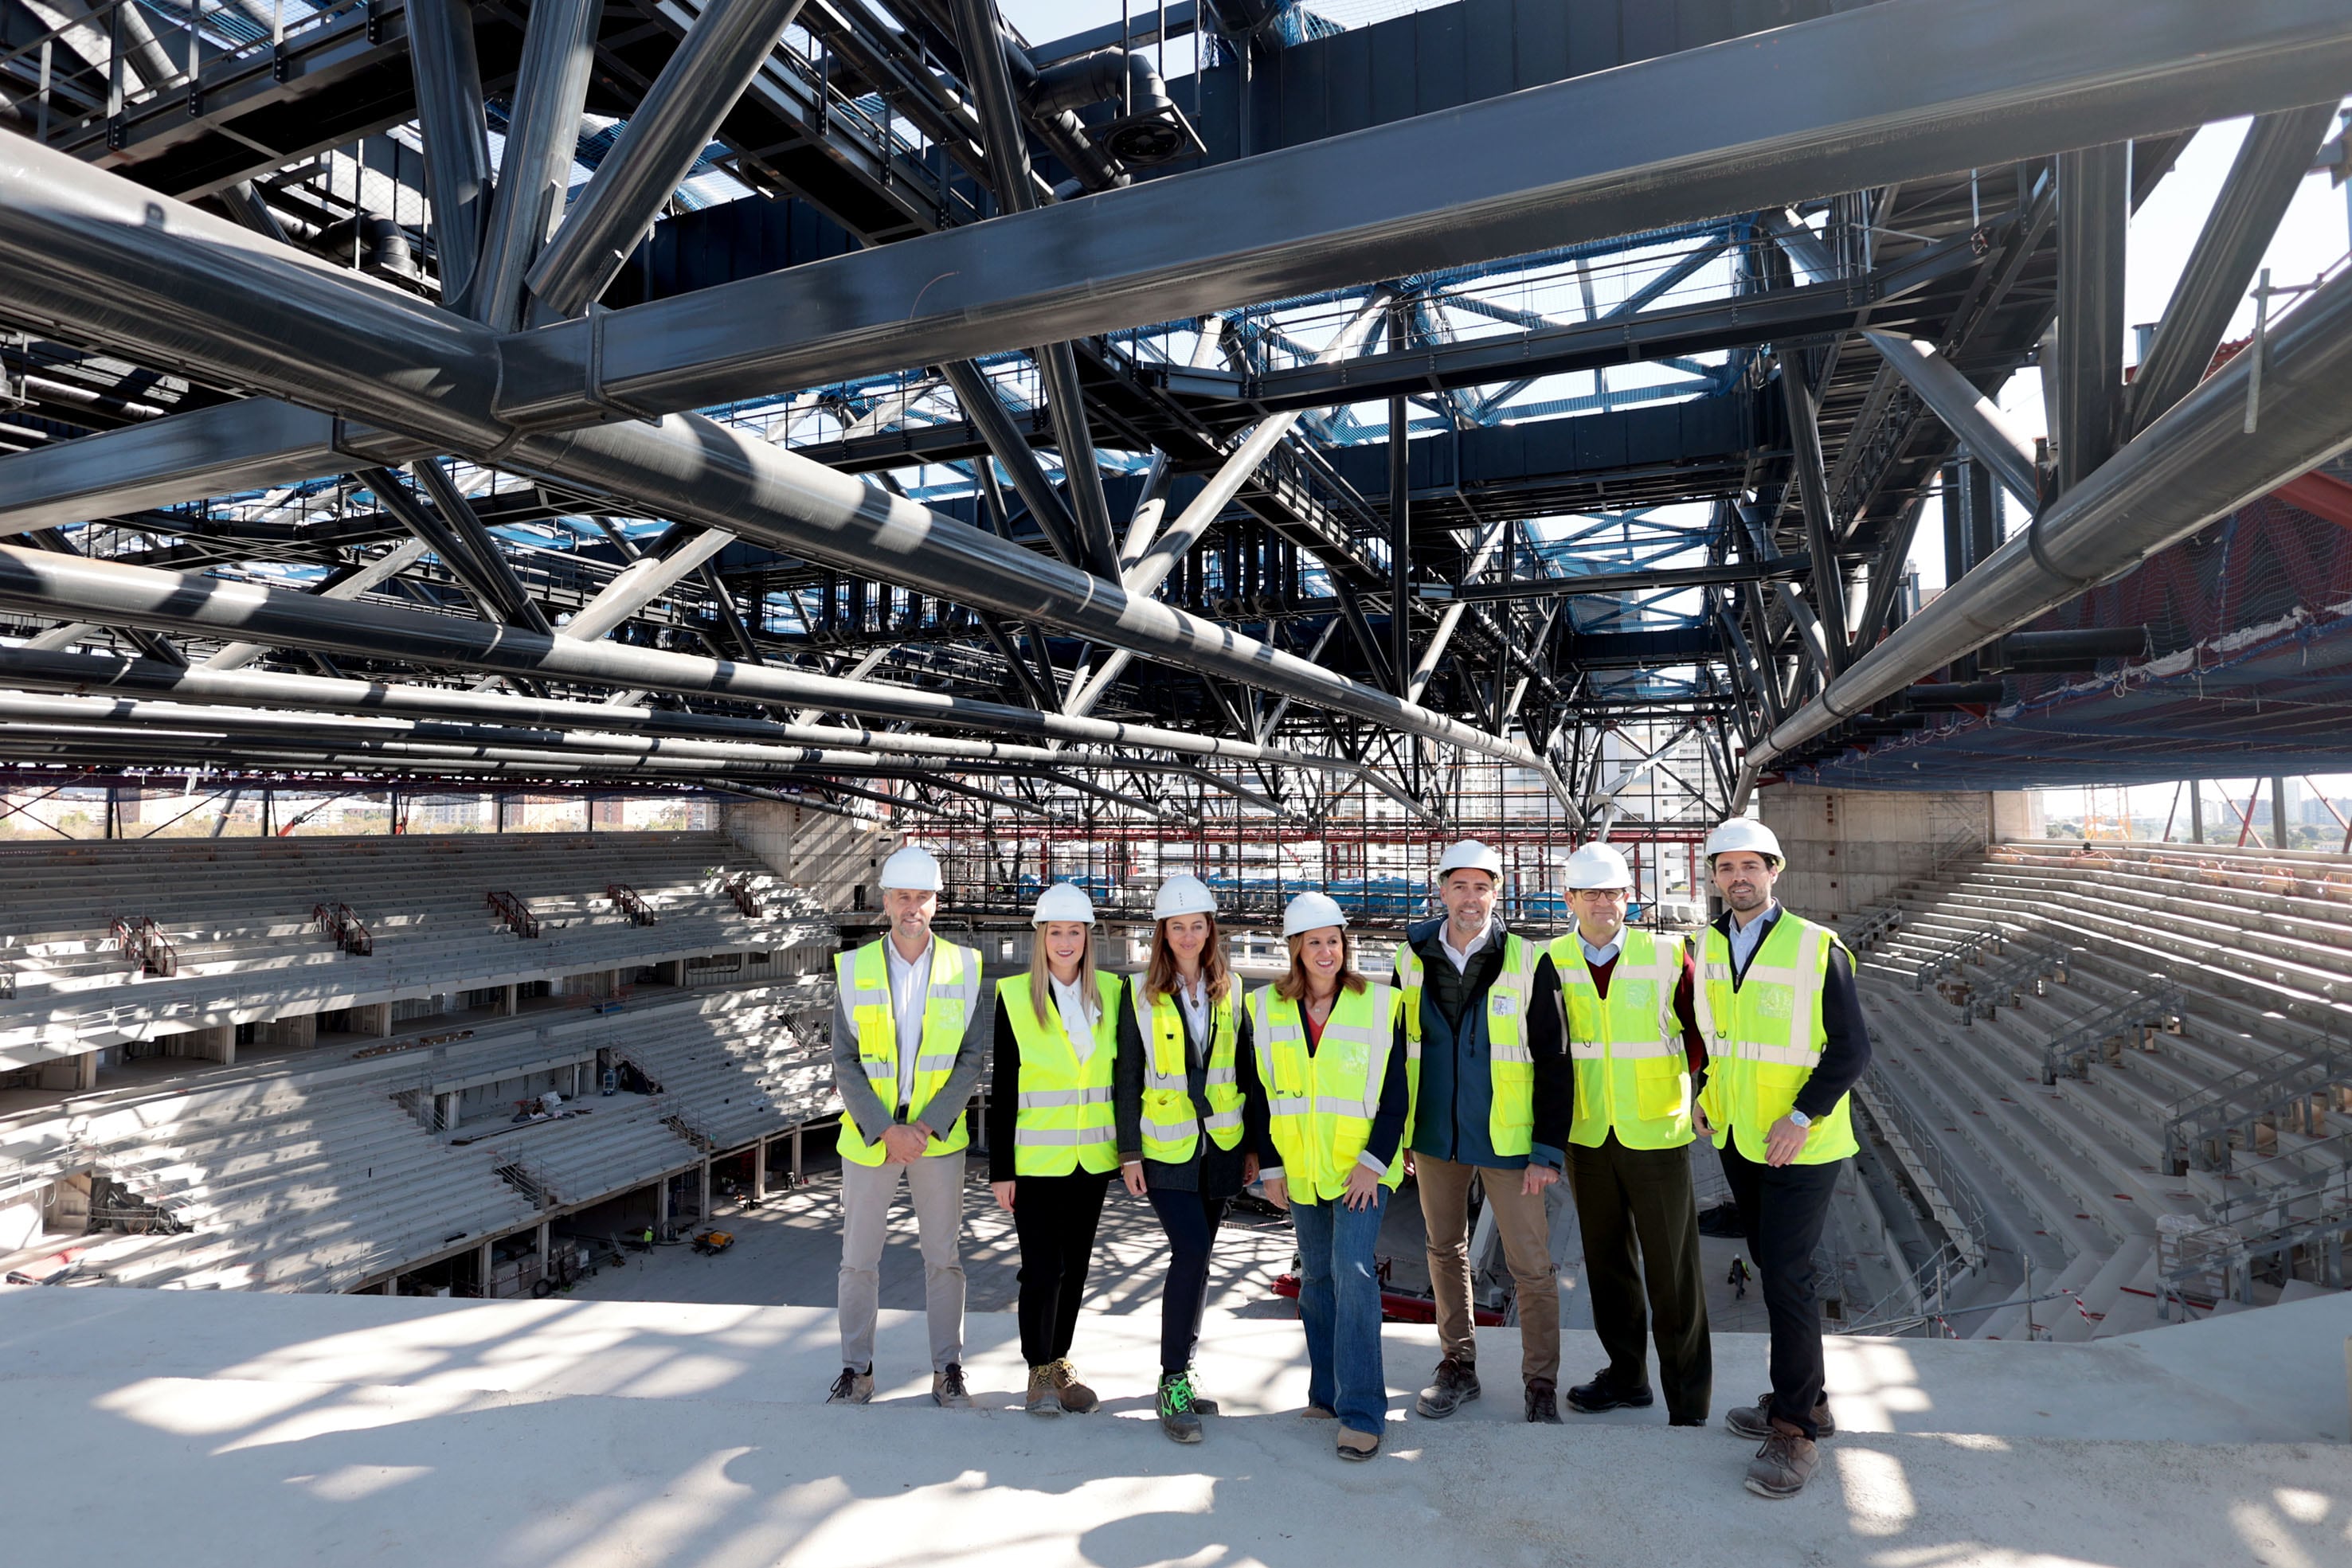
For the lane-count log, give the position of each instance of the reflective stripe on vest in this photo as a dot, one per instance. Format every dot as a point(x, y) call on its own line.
point(1063, 1119)
point(1765, 1038)
point(864, 977)
point(1510, 1060)
point(1171, 1129)
point(1631, 1076)
point(1321, 1104)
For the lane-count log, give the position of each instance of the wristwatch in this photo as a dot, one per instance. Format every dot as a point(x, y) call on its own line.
point(1799, 1118)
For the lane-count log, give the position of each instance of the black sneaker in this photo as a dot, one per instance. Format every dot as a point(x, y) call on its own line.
point(1607, 1392)
point(1179, 1416)
point(1543, 1401)
point(1454, 1385)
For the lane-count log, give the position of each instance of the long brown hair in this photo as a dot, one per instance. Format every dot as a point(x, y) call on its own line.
point(1160, 976)
point(1293, 987)
point(1041, 976)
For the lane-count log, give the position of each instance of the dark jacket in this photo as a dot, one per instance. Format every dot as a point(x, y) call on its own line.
point(1451, 1121)
point(1212, 1171)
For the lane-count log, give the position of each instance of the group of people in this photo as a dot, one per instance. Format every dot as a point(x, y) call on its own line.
point(1486, 1058)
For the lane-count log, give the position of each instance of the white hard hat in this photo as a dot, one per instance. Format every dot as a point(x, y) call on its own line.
point(1064, 901)
point(1312, 912)
point(1181, 895)
point(1743, 833)
point(912, 867)
point(1599, 865)
point(1470, 855)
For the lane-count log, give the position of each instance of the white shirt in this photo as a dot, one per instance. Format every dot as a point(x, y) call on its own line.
point(1745, 937)
point(1075, 1021)
point(1462, 955)
point(1596, 957)
point(910, 986)
point(1193, 999)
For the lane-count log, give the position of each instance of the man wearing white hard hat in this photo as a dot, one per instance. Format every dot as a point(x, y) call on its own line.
point(1634, 1046)
point(1191, 1117)
point(1492, 1096)
point(1052, 1138)
point(1332, 1057)
point(1785, 1043)
point(910, 1043)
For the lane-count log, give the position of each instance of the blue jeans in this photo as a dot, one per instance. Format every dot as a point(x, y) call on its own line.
point(1339, 1303)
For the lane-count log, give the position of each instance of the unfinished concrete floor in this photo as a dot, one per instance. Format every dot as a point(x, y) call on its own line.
point(203, 1428)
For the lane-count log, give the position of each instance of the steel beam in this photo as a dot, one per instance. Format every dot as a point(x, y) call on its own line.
point(1813, 490)
point(449, 115)
point(459, 515)
point(2094, 218)
point(656, 147)
point(1681, 138)
point(1966, 412)
point(373, 574)
point(2196, 463)
point(559, 51)
point(1781, 568)
point(2270, 166)
point(1010, 448)
point(641, 582)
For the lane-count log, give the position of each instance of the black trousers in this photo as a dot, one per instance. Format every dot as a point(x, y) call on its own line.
point(1190, 1221)
point(1784, 1210)
point(1642, 1265)
point(1055, 1219)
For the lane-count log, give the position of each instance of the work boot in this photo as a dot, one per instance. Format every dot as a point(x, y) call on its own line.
point(1075, 1396)
point(1355, 1445)
point(1454, 1385)
point(1609, 1392)
point(1783, 1464)
point(947, 1391)
point(1543, 1401)
point(1755, 1421)
point(1179, 1417)
point(1043, 1399)
point(851, 1388)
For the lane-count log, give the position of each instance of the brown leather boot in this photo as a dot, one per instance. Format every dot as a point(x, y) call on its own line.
point(1784, 1464)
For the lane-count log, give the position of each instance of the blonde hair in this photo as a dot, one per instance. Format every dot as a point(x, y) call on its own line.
point(1160, 976)
point(1041, 976)
point(1293, 987)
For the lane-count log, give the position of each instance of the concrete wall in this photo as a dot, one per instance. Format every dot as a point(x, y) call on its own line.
point(831, 856)
point(1850, 849)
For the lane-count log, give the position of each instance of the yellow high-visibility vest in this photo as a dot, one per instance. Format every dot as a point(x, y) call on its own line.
point(1631, 1073)
point(1170, 1128)
point(1511, 1064)
point(1322, 1105)
point(864, 977)
point(1063, 1121)
point(1764, 1039)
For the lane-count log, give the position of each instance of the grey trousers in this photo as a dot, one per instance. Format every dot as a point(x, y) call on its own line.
point(935, 1183)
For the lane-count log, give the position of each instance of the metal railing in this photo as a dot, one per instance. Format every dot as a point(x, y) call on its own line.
point(1951, 1203)
point(2206, 1130)
point(142, 943)
point(1872, 925)
point(339, 924)
point(2032, 969)
point(1972, 948)
point(2099, 1034)
point(629, 901)
point(514, 912)
point(2199, 1264)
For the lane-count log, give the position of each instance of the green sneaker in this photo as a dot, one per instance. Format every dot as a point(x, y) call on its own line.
point(1177, 1417)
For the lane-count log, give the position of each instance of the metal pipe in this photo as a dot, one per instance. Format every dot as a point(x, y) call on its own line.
point(114, 593)
point(641, 582)
point(659, 144)
point(456, 131)
point(2194, 464)
point(2270, 167)
point(458, 513)
point(391, 564)
point(1966, 412)
point(1010, 448)
point(559, 51)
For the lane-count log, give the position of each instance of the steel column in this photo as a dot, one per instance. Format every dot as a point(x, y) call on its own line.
point(1812, 488)
point(456, 131)
point(542, 141)
point(2093, 214)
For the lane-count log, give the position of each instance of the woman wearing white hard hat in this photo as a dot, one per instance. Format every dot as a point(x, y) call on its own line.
point(1332, 1057)
point(1051, 1143)
point(1190, 1116)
